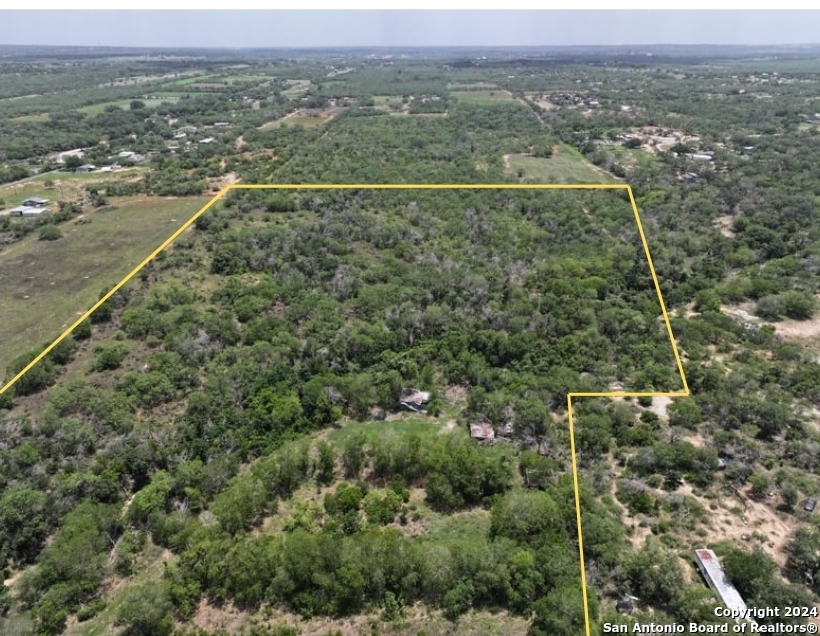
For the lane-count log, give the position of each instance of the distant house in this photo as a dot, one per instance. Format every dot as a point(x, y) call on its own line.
point(207, 140)
point(700, 157)
point(222, 124)
point(482, 432)
point(86, 168)
point(34, 202)
point(414, 400)
point(126, 154)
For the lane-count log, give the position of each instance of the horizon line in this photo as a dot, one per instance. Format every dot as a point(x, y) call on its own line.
point(412, 46)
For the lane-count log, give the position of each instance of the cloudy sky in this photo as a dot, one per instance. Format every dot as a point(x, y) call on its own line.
point(318, 28)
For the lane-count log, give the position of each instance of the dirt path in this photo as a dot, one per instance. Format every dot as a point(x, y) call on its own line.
point(800, 331)
point(757, 518)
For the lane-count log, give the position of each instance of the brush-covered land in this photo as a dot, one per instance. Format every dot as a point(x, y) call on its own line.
point(344, 411)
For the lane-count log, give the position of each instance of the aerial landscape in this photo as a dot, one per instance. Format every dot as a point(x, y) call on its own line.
point(561, 377)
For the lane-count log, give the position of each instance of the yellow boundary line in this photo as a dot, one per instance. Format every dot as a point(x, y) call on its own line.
point(443, 186)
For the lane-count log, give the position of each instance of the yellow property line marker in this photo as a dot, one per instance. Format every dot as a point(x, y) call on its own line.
point(443, 186)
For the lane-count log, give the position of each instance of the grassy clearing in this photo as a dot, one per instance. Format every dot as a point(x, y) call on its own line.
point(47, 285)
point(565, 166)
point(167, 96)
point(307, 121)
point(190, 80)
point(68, 186)
point(387, 101)
point(29, 118)
point(471, 86)
point(297, 88)
point(483, 96)
point(235, 79)
point(407, 424)
point(96, 109)
point(462, 528)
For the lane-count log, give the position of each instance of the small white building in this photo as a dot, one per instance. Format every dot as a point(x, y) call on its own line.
point(25, 211)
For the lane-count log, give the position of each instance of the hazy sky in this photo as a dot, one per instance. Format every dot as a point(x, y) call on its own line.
point(319, 28)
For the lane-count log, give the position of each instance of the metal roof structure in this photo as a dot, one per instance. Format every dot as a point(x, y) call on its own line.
point(712, 571)
point(24, 210)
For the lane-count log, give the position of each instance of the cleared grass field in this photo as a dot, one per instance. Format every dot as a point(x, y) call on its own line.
point(482, 96)
point(407, 424)
point(235, 79)
point(46, 285)
point(307, 121)
point(297, 88)
point(565, 166)
point(471, 86)
point(96, 109)
point(393, 101)
point(68, 186)
point(34, 117)
point(190, 80)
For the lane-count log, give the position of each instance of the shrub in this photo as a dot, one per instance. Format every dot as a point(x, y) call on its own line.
point(49, 233)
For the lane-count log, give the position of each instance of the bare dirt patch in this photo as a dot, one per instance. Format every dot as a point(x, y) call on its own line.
point(798, 330)
point(659, 406)
point(757, 519)
point(211, 618)
point(724, 225)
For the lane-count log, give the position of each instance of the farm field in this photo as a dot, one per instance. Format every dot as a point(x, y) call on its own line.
point(563, 167)
point(64, 186)
point(484, 96)
point(57, 281)
point(96, 109)
point(37, 117)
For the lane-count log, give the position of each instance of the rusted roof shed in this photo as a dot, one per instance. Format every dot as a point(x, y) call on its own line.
point(482, 432)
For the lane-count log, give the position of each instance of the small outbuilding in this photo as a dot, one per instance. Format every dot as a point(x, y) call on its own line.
point(26, 211)
point(34, 202)
point(482, 432)
point(811, 504)
point(414, 400)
